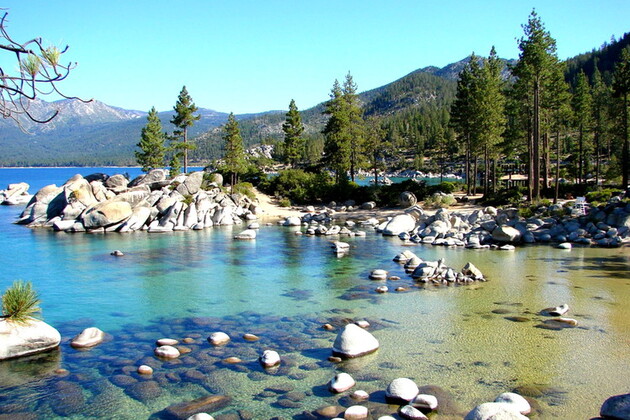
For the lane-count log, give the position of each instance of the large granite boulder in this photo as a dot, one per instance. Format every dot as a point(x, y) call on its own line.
point(398, 224)
point(495, 411)
point(117, 182)
point(506, 234)
point(154, 177)
point(45, 204)
point(191, 185)
point(22, 339)
point(407, 199)
point(354, 341)
point(106, 214)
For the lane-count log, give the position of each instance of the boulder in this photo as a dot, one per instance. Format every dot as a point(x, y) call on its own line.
point(564, 245)
point(340, 247)
point(186, 409)
point(494, 411)
point(200, 416)
point(191, 185)
point(33, 336)
point(292, 221)
point(557, 310)
point(218, 338)
point(89, 337)
point(246, 234)
point(470, 270)
point(425, 401)
point(356, 412)
point(270, 358)
point(117, 182)
point(106, 213)
point(216, 178)
point(341, 383)
point(617, 407)
point(407, 199)
point(167, 352)
point(519, 403)
point(370, 205)
point(410, 412)
point(47, 203)
point(401, 389)
point(506, 234)
point(378, 274)
point(399, 223)
point(354, 341)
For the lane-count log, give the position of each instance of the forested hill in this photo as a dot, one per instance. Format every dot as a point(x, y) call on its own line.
point(605, 57)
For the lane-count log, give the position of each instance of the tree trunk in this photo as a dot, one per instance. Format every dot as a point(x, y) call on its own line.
point(557, 189)
point(468, 183)
point(546, 161)
point(597, 157)
point(580, 174)
point(474, 177)
point(185, 150)
point(625, 159)
point(536, 140)
point(530, 165)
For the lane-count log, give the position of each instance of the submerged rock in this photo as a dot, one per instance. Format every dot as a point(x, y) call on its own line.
point(218, 338)
point(495, 411)
point(33, 336)
point(270, 358)
point(617, 407)
point(206, 404)
point(89, 337)
point(341, 383)
point(354, 341)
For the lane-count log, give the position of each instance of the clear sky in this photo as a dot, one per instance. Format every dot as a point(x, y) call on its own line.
point(255, 55)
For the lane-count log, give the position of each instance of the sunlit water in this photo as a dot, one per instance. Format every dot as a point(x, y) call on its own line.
point(283, 287)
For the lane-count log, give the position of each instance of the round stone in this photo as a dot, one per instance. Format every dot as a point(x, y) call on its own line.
point(232, 360)
point(218, 338)
point(378, 274)
point(167, 352)
point(402, 389)
point(145, 370)
point(251, 337)
point(356, 412)
point(166, 342)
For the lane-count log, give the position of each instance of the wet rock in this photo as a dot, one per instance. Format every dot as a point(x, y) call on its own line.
point(218, 338)
point(564, 245)
point(360, 395)
point(378, 274)
point(354, 341)
point(356, 412)
point(122, 380)
point(232, 360)
point(292, 221)
point(341, 382)
point(519, 403)
point(145, 370)
point(206, 404)
point(401, 389)
point(617, 407)
point(166, 342)
point(381, 289)
point(144, 391)
point(167, 352)
point(89, 337)
point(425, 401)
point(506, 234)
point(200, 416)
point(329, 411)
point(494, 411)
point(410, 412)
point(29, 338)
point(557, 310)
point(250, 337)
point(66, 398)
point(270, 358)
point(562, 322)
point(115, 253)
point(246, 234)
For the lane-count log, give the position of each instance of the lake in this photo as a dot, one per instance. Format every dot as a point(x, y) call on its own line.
point(460, 342)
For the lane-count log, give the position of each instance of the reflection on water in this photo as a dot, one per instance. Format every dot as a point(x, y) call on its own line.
point(465, 343)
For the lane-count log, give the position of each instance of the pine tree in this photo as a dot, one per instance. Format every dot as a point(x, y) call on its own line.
point(152, 149)
point(293, 140)
point(184, 117)
point(461, 112)
point(582, 114)
point(234, 150)
point(336, 144)
point(601, 118)
point(621, 90)
point(533, 71)
point(376, 145)
point(355, 129)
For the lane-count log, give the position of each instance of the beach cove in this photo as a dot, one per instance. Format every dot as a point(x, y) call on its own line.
point(283, 287)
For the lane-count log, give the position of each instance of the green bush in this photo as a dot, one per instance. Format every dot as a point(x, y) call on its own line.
point(298, 186)
point(446, 187)
point(284, 202)
point(440, 201)
point(246, 189)
point(602, 195)
point(20, 302)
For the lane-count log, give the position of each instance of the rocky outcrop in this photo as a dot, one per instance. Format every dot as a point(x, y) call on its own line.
point(22, 339)
point(150, 202)
point(15, 194)
point(354, 341)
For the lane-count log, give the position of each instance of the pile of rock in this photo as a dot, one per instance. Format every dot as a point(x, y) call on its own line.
point(491, 228)
point(15, 194)
point(437, 272)
point(152, 202)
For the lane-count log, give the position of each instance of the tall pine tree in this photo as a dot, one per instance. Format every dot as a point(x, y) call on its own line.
point(336, 142)
point(621, 90)
point(152, 149)
point(534, 70)
point(184, 117)
point(234, 150)
point(293, 140)
point(601, 118)
point(582, 114)
point(355, 129)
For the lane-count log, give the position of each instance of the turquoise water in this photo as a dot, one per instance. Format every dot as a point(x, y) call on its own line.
point(283, 288)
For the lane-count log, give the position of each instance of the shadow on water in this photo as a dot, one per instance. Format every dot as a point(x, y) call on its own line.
point(617, 266)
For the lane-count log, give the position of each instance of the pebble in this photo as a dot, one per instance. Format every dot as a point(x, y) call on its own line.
point(359, 395)
point(145, 370)
point(356, 412)
point(232, 360)
point(166, 342)
point(363, 323)
point(251, 337)
point(218, 338)
point(381, 289)
point(328, 327)
point(167, 352)
point(117, 253)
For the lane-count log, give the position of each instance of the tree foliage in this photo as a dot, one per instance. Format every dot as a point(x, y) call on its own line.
point(184, 118)
point(20, 302)
point(37, 71)
point(234, 151)
point(621, 90)
point(152, 149)
point(293, 140)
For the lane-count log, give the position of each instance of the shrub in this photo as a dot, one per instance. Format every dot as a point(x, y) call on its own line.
point(20, 302)
point(246, 189)
point(440, 201)
point(284, 202)
point(602, 195)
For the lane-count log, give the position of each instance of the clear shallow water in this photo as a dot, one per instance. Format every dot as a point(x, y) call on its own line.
point(283, 287)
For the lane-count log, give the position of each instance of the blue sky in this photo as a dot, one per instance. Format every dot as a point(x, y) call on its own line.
point(256, 55)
